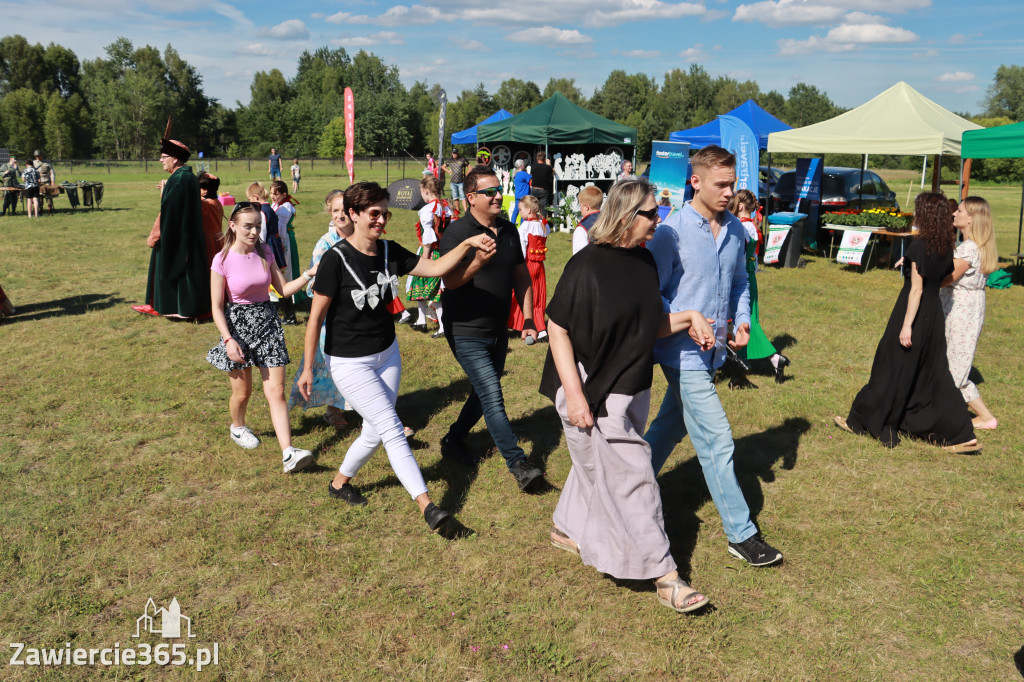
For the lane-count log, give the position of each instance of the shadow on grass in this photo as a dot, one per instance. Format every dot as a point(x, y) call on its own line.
point(63, 307)
point(683, 490)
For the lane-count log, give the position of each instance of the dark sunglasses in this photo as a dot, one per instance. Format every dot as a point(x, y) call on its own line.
point(651, 214)
point(243, 205)
point(488, 192)
point(374, 216)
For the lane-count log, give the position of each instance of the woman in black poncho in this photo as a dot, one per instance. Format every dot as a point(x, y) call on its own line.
point(604, 317)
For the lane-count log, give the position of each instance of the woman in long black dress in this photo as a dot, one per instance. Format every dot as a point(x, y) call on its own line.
point(911, 390)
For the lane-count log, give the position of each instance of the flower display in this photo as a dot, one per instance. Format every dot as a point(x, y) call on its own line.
point(876, 218)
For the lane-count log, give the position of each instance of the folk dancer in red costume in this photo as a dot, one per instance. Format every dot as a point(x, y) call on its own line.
point(533, 234)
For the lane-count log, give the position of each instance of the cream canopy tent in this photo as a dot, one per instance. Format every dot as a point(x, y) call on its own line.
point(899, 121)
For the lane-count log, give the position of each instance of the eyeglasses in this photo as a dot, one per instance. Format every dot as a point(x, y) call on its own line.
point(488, 192)
point(243, 205)
point(374, 216)
point(651, 214)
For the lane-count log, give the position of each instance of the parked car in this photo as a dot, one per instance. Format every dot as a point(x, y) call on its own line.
point(767, 178)
point(841, 190)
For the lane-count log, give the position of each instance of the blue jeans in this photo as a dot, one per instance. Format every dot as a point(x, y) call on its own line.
point(483, 360)
point(691, 400)
point(458, 192)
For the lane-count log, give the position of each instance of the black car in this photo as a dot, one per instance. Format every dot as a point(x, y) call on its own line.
point(841, 190)
point(767, 178)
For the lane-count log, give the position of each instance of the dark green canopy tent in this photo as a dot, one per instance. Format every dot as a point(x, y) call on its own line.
point(557, 121)
point(1001, 142)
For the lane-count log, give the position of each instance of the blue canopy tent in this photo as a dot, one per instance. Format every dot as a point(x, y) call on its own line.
point(759, 120)
point(468, 136)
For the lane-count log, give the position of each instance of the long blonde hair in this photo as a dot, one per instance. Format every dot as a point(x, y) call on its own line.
point(625, 198)
point(982, 233)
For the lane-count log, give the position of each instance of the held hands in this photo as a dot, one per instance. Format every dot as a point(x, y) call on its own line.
point(482, 243)
point(701, 331)
point(741, 336)
point(905, 334)
point(579, 411)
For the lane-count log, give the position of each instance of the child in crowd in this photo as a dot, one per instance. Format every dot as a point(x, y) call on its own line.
point(269, 232)
point(432, 164)
point(284, 206)
point(324, 391)
point(296, 175)
point(426, 291)
point(590, 198)
point(250, 330)
point(533, 236)
point(743, 205)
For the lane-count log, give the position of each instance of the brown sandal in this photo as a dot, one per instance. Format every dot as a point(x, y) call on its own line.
point(563, 541)
point(841, 423)
point(678, 585)
point(336, 419)
point(963, 448)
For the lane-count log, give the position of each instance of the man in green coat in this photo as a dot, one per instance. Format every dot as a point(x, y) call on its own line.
point(179, 271)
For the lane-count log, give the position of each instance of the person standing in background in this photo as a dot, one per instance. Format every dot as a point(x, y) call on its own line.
point(296, 175)
point(590, 198)
point(521, 182)
point(274, 165)
point(456, 168)
point(543, 182)
point(10, 178)
point(47, 179)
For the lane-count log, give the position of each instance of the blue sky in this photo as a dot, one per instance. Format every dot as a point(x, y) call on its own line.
point(851, 49)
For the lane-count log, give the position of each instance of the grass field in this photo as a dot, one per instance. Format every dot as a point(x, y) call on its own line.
point(120, 484)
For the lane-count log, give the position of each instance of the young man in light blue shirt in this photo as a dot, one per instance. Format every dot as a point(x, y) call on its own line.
point(700, 253)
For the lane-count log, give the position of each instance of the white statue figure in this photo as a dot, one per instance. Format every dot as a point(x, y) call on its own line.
point(604, 165)
point(557, 169)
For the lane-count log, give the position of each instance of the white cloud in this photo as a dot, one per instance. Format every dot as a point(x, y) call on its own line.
point(258, 49)
point(966, 88)
point(956, 77)
point(339, 18)
point(960, 38)
point(848, 37)
point(622, 11)
point(474, 46)
point(233, 13)
point(292, 29)
point(927, 54)
point(781, 13)
point(378, 38)
point(548, 35)
point(641, 54)
point(693, 54)
point(412, 15)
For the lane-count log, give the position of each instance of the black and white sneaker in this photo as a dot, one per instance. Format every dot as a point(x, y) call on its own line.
point(347, 493)
point(296, 459)
point(755, 551)
point(525, 474)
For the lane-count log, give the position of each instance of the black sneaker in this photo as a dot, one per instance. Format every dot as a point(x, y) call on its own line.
point(289, 320)
point(435, 516)
point(525, 474)
point(456, 451)
point(347, 493)
point(755, 551)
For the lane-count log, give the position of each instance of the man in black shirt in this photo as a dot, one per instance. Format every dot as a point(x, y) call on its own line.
point(543, 181)
point(476, 300)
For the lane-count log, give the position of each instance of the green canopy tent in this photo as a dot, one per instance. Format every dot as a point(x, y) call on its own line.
point(1001, 142)
point(557, 121)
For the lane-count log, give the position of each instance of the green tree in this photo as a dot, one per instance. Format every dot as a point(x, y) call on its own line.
point(774, 103)
point(1006, 94)
point(332, 140)
point(623, 94)
point(730, 93)
point(687, 98)
point(23, 112)
point(516, 96)
point(22, 66)
point(806, 105)
point(566, 86)
point(65, 126)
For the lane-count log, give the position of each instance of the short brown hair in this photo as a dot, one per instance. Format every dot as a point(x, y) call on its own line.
point(362, 195)
point(474, 175)
point(710, 157)
point(592, 196)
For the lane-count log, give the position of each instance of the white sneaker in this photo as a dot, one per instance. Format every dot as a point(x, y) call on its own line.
point(245, 438)
point(296, 459)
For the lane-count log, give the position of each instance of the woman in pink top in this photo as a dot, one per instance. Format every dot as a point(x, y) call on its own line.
point(250, 330)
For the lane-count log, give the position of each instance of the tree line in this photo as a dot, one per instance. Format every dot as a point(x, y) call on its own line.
point(116, 106)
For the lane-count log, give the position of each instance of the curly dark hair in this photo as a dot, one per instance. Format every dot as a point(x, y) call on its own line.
point(934, 220)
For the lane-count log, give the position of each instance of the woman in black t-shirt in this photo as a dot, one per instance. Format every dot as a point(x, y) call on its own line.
point(355, 281)
point(603, 319)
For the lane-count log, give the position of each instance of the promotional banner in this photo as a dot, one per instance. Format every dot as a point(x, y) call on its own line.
point(440, 127)
point(669, 164)
point(350, 134)
point(776, 238)
point(405, 194)
point(851, 249)
point(808, 197)
point(739, 139)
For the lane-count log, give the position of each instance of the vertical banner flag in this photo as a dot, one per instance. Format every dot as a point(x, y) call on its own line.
point(808, 186)
point(440, 127)
point(669, 161)
point(350, 134)
point(739, 139)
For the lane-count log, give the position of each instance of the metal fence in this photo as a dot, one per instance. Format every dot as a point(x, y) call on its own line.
point(395, 164)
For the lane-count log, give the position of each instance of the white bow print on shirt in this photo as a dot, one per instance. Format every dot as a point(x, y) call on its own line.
point(373, 294)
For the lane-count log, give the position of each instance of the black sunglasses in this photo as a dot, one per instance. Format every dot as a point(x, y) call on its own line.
point(650, 214)
point(243, 205)
point(488, 192)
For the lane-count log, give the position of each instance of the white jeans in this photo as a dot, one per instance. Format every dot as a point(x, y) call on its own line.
point(370, 386)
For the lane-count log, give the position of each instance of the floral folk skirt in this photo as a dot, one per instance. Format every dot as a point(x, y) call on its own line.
point(258, 331)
